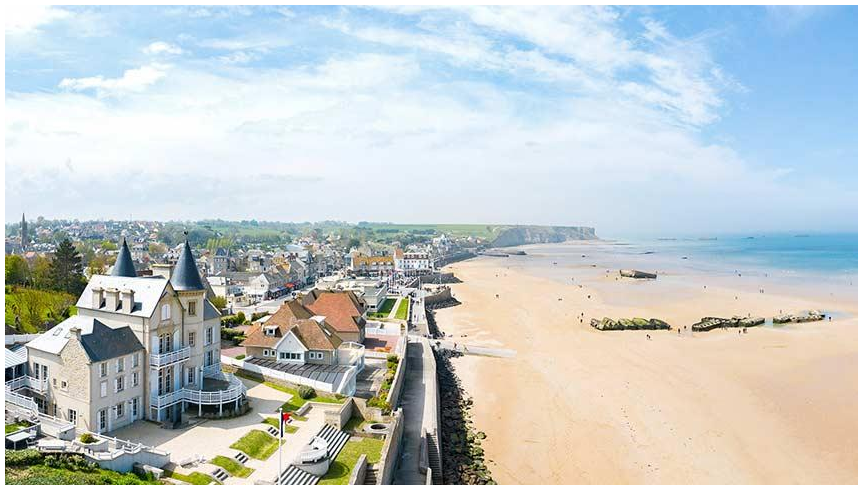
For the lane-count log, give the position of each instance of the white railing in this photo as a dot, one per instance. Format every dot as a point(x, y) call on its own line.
point(212, 370)
point(168, 358)
point(233, 392)
point(35, 384)
point(22, 401)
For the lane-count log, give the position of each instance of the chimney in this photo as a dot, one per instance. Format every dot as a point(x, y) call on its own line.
point(163, 270)
point(128, 297)
point(97, 297)
point(76, 331)
point(112, 299)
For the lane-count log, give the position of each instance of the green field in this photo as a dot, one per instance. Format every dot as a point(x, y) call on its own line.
point(232, 466)
point(402, 312)
point(193, 478)
point(34, 307)
point(481, 231)
point(257, 444)
point(340, 470)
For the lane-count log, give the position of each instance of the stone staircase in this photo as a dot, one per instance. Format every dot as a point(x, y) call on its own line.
point(272, 431)
point(241, 457)
point(336, 440)
point(371, 475)
point(295, 476)
point(220, 474)
point(434, 458)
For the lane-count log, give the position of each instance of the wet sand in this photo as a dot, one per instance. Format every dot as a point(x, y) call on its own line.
point(777, 405)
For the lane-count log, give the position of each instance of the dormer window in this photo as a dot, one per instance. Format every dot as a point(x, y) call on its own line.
point(193, 308)
point(270, 331)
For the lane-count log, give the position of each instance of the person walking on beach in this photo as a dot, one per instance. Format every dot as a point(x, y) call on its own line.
point(648, 336)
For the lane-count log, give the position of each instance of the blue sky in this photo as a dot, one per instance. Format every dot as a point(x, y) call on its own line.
point(637, 119)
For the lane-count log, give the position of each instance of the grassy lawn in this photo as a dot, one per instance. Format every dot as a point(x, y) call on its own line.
point(340, 469)
point(34, 307)
point(274, 421)
point(194, 478)
point(357, 423)
point(17, 426)
point(402, 312)
point(232, 466)
point(44, 475)
point(257, 444)
point(384, 310)
point(296, 402)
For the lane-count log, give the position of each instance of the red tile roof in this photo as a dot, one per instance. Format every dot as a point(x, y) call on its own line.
point(342, 310)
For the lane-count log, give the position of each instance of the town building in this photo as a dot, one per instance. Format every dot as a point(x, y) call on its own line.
point(139, 347)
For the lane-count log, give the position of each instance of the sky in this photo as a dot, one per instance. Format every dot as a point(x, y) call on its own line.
point(647, 120)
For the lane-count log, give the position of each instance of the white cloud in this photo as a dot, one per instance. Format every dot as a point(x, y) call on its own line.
point(162, 48)
point(134, 80)
point(25, 18)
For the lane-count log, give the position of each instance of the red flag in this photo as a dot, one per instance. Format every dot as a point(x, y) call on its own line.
point(286, 416)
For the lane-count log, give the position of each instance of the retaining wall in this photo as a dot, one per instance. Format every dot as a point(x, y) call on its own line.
point(358, 475)
point(390, 452)
point(339, 417)
point(398, 382)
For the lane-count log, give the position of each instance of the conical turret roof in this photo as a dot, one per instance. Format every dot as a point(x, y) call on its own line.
point(186, 276)
point(124, 266)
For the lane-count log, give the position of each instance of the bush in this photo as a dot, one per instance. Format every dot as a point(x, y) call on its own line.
point(306, 392)
point(88, 438)
point(258, 316)
point(240, 357)
point(380, 403)
point(241, 318)
point(230, 333)
point(392, 358)
point(71, 462)
point(27, 457)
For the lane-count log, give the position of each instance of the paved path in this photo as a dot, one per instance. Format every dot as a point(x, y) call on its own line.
point(470, 350)
point(213, 437)
point(417, 408)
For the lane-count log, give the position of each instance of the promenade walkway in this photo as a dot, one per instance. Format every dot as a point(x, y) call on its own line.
point(419, 405)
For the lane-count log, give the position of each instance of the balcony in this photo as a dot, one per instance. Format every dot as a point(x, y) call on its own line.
point(168, 358)
point(226, 388)
point(37, 385)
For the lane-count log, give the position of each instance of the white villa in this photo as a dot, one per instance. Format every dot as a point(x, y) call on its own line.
point(140, 347)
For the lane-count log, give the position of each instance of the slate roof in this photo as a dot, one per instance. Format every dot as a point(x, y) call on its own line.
point(99, 341)
point(186, 276)
point(105, 343)
point(124, 265)
point(210, 311)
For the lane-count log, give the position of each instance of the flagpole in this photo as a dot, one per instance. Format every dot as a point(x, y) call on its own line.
point(281, 431)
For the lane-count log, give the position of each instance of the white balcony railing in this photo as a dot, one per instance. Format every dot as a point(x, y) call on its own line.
point(35, 384)
point(168, 358)
point(212, 370)
point(234, 391)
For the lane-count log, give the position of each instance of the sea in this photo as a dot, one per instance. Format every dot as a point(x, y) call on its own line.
point(801, 263)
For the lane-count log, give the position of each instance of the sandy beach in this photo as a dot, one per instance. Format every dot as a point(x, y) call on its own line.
point(575, 405)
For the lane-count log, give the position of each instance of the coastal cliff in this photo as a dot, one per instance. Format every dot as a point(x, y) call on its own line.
point(525, 235)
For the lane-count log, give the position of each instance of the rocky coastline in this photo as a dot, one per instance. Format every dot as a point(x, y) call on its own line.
point(629, 324)
point(463, 458)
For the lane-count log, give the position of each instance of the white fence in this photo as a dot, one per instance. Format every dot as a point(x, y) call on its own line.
point(347, 385)
point(234, 392)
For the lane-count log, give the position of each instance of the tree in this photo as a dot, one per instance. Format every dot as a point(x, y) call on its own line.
point(66, 269)
point(97, 265)
point(219, 302)
point(41, 273)
point(17, 270)
point(156, 249)
point(108, 245)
